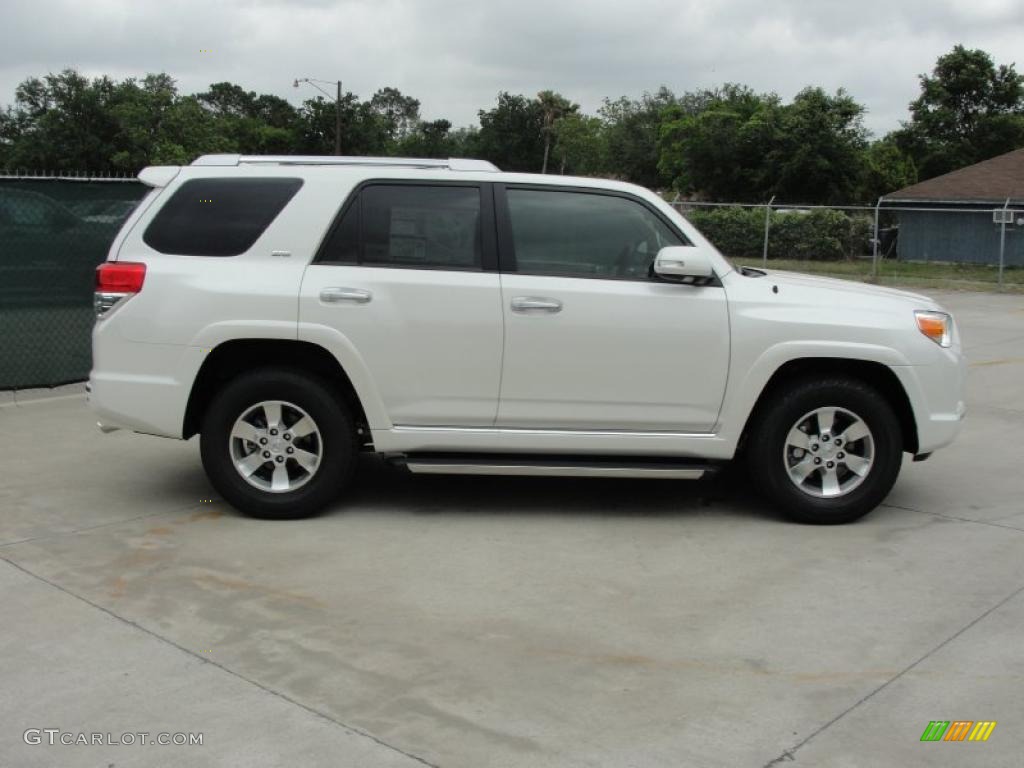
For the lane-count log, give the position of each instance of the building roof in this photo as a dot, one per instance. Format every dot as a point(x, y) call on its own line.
point(990, 181)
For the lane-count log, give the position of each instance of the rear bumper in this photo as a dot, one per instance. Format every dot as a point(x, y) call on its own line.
point(142, 387)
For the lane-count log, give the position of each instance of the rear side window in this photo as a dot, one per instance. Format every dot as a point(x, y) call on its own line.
point(218, 217)
point(409, 226)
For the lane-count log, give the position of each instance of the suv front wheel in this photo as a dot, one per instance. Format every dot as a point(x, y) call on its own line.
point(276, 444)
point(826, 451)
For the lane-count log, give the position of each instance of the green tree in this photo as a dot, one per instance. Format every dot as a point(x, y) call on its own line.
point(817, 155)
point(886, 169)
point(275, 111)
point(399, 115)
point(717, 146)
point(229, 100)
point(580, 144)
point(631, 129)
point(157, 126)
point(464, 142)
point(969, 110)
point(187, 131)
point(428, 139)
point(363, 132)
point(733, 144)
point(67, 122)
point(61, 122)
point(512, 134)
point(553, 108)
point(249, 123)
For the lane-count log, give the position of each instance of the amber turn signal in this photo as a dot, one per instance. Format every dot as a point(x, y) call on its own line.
point(937, 326)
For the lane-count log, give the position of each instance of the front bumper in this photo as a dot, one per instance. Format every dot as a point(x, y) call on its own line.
point(937, 396)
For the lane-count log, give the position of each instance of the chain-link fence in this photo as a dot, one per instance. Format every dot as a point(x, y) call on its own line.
point(54, 231)
point(921, 244)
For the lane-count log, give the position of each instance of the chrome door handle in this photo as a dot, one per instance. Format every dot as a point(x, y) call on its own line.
point(535, 304)
point(350, 295)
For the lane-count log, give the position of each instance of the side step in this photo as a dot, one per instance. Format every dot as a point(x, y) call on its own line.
point(558, 466)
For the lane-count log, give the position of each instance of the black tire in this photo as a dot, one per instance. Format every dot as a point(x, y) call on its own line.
point(336, 443)
point(767, 441)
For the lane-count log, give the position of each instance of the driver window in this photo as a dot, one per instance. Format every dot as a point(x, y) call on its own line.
point(580, 234)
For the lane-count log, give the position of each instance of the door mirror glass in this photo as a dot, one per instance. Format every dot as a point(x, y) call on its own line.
point(678, 262)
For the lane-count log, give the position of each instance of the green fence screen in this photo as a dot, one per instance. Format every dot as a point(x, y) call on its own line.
point(53, 233)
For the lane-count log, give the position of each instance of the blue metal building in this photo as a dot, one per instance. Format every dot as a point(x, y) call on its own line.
point(959, 216)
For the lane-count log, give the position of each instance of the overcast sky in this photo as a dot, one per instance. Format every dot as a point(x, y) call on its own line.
point(455, 55)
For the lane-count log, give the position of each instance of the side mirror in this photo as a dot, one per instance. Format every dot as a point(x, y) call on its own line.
point(675, 262)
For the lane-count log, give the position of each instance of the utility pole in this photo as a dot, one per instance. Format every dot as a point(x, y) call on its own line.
point(337, 122)
point(767, 224)
point(337, 104)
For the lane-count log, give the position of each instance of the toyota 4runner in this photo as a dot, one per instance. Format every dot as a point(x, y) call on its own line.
point(296, 311)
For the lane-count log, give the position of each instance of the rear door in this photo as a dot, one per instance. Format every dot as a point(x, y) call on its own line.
point(593, 341)
point(408, 275)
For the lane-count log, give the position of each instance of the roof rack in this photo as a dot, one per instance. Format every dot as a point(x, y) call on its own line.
point(452, 163)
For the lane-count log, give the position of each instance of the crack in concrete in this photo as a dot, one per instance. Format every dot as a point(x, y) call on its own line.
point(278, 694)
point(789, 754)
point(58, 534)
point(16, 403)
point(992, 523)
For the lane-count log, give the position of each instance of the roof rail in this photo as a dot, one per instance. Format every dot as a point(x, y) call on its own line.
point(452, 163)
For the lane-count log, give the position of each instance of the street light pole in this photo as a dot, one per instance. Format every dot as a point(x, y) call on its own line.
point(337, 121)
point(337, 105)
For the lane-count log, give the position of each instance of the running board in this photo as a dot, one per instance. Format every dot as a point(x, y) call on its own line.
point(461, 464)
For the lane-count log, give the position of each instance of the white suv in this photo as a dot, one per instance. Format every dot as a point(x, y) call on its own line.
point(295, 311)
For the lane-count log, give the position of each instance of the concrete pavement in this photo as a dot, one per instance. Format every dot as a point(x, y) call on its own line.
point(513, 622)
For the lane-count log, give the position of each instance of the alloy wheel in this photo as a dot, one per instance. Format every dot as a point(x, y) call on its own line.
point(829, 452)
point(275, 446)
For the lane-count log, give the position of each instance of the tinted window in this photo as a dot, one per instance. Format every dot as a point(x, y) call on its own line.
point(590, 235)
point(343, 242)
point(420, 226)
point(218, 217)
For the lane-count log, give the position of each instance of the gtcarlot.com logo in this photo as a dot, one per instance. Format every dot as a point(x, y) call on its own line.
point(54, 736)
point(958, 730)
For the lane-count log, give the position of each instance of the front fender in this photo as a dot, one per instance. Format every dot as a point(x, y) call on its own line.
point(743, 391)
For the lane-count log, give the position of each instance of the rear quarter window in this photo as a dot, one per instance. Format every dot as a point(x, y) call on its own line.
point(218, 217)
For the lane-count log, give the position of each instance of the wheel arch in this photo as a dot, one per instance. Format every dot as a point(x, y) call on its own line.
point(228, 360)
point(877, 375)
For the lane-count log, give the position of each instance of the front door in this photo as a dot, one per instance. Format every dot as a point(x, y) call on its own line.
point(592, 340)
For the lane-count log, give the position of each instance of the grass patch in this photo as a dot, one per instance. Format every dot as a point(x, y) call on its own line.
point(963, 277)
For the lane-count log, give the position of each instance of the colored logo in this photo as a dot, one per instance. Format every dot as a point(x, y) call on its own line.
point(958, 730)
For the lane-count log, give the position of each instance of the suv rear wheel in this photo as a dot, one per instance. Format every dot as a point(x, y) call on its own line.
point(826, 451)
point(277, 444)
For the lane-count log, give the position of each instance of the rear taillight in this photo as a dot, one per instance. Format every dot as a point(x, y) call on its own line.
point(116, 280)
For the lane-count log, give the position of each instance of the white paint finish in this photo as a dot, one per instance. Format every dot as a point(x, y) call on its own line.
point(620, 354)
point(158, 175)
point(129, 224)
point(676, 261)
point(821, 318)
point(569, 442)
point(143, 387)
point(936, 394)
point(430, 339)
